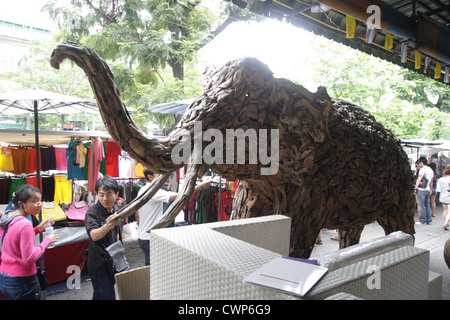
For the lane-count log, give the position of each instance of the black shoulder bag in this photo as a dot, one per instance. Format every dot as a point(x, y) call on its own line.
point(117, 255)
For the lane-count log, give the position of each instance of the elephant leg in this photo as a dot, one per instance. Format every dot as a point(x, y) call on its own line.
point(304, 239)
point(349, 237)
point(404, 222)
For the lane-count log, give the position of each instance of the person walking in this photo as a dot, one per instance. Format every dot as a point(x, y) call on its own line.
point(436, 176)
point(443, 187)
point(423, 190)
point(18, 278)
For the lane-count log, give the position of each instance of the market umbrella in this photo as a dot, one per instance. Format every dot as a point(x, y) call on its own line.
point(40, 101)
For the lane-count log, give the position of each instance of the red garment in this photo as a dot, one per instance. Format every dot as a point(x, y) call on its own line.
point(226, 199)
point(33, 181)
point(33, 160)
point(112, 158)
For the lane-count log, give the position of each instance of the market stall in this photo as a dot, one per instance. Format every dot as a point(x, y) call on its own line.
point(64, 179)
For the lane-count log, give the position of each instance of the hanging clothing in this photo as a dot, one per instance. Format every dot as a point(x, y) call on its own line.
point(96, 155)
point(112, 158)
point(48, 188)
point(61, 159)
point(139, 170)
point(73, 168)
point(63, 189)
point(32, 180)
point(21, 160)
point(32, 166)
point(5, 190)
point(124, 165)
point(226, 199)
point(48, 159)
point(204, 205)
point(15, 184)
point(7, 163)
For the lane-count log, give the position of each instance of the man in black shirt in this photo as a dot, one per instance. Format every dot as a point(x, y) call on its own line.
point(101, 224)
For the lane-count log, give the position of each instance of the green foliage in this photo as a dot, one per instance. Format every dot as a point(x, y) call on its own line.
point(141, 39)
point(407, 103)
point(35, 72)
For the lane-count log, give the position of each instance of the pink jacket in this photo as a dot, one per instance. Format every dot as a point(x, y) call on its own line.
point(19, 250)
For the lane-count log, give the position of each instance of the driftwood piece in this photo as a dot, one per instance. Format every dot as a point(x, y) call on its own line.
point(338, 167)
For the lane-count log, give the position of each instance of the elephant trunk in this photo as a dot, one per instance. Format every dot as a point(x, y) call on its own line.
point(153, 152)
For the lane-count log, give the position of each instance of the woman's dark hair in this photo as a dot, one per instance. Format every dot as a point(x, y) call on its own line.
point(433, 166)
point(23, 193)
point(107, 183)
point(147, 172)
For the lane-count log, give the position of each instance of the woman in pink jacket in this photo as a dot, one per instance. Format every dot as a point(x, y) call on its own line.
point(18, 279)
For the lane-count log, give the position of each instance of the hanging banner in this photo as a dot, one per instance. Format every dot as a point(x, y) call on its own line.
point(351, 27)
point(404, 53)
point(427, 63)
point(417, 59)
point(370, 34)
point(389, 42)
point(437, 71)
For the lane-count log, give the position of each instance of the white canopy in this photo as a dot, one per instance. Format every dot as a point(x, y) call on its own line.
point(20, 102)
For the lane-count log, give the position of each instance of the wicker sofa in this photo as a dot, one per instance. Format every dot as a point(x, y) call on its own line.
point(210, 261)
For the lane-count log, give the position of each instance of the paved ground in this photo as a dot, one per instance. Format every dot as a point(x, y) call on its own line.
point(431, 237)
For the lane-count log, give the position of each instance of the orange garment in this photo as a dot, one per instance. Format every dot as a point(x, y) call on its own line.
point(21, 160)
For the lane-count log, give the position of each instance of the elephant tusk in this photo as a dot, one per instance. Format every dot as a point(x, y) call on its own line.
point(138, 202)
point(185, 193)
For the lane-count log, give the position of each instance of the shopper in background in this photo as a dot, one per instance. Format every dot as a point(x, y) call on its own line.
point(18, 279)
point(443, 187)
point(424, 192)
point(436, 176)
point(151, 212)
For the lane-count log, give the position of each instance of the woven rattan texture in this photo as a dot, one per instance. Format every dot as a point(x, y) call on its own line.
point(403, 274)
point(269, 232)
point(200, 263)
point(134, 284)
point(197, 262)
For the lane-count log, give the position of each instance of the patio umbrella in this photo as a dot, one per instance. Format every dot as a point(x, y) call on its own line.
point(40, 101)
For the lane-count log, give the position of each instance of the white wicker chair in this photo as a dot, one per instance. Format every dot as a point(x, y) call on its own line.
point(133, 284)
point(210, 261)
